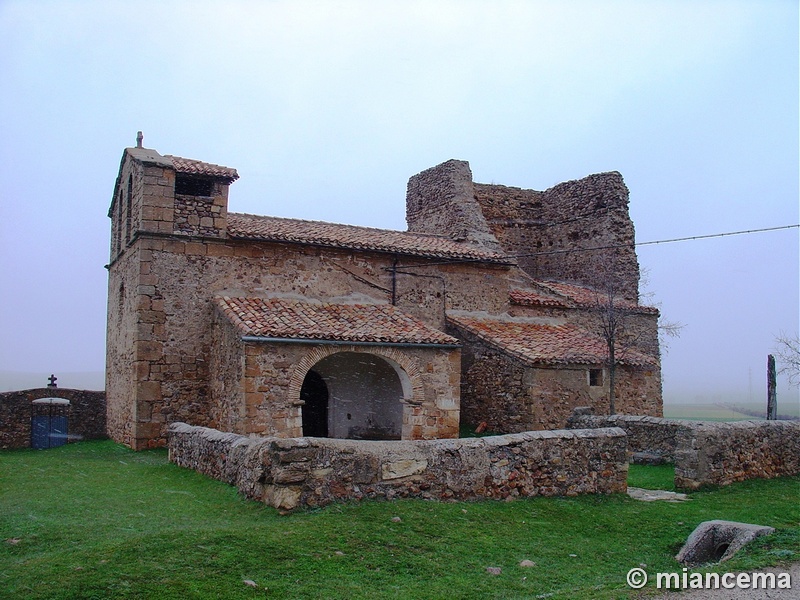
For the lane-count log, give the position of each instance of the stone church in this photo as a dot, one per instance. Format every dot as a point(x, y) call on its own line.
point(488, 310)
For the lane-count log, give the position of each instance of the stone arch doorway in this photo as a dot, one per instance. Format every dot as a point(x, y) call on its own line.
point(355, 395)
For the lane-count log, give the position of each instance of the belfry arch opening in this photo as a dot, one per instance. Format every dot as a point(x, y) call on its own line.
point(354, 395)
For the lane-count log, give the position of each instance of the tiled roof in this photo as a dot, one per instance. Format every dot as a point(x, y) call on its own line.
point(361, 238)
point(295, 319)
point(566, 295)
point(533, 298)
point(198, 167)
point(539, 343)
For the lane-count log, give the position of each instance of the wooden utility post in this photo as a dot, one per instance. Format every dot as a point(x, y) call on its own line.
point(772, 397)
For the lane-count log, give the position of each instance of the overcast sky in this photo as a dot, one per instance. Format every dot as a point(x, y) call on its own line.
point(326, 109)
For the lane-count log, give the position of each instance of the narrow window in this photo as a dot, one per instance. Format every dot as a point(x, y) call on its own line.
point(128, 204)
point(121, 302)
point(595, 377)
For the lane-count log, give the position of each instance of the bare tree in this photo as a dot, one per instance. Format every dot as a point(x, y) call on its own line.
point(626, 337)
point(611, 323)
point(788, 352)
point(666, 329)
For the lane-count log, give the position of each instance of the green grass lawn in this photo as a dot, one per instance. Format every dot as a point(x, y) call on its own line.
point(661, 477)
point(96, 520)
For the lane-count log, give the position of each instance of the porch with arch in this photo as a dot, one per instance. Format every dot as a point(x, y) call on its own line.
point(290, 368)
point(357, 392)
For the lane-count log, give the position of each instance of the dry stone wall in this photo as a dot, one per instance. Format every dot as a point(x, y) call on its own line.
point(709, 453)
point(290, 473)
point(721, 453)
point(646, 434)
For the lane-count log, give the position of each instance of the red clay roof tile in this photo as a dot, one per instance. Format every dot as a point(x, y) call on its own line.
point(534, 298)
point(295, 319)
point(361, 238)
point(566, 295)
point(198, 167)
point(539, 343)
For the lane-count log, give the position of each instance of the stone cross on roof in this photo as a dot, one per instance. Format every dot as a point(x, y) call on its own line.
point(139, 139)
point(52, 379)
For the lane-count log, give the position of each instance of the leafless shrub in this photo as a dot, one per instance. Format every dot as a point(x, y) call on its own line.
point(787, 350)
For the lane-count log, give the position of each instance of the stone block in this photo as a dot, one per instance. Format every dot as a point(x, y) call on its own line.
point(282, 498)
point(141, 369)
point(150, 213)
point(220, 250)
point(148, 391)
point(150, 280)
point(253, 399)
point(148, 350)
point(147, 431)
point(158, 198)
point(247, 251)
point(143, 302)
point(196, 248)
point(174, 247)
point(144, 331)
point(403, 468)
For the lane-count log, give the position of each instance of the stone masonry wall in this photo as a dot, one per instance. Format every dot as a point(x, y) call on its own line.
point(709, 453)
point(170, 255)
point(575, 215)
point(721, 453)
point(441, 200)
point(512, 396)
point(227, 409)
point(87, 414)
point(645, 433)
point(125, 333)
point(289, 473)
point(202, 215)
